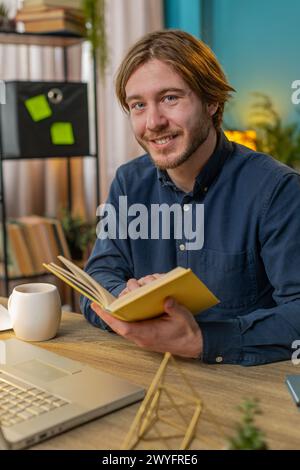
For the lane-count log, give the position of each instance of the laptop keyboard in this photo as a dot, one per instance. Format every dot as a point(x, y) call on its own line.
point(20, 401)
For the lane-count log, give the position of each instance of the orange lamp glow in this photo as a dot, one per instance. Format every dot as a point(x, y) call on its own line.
point(247, 138)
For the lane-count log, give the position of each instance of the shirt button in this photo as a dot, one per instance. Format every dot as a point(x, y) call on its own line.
point(186, 207)
point(205, 189)
point(182, 247)
point(219, 359)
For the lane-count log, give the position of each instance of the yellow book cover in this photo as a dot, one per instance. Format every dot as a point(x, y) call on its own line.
point(145, 302)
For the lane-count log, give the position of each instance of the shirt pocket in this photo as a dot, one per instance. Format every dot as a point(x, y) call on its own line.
point(230, 276)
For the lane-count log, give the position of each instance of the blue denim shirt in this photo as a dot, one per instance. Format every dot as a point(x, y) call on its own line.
point(250, 258)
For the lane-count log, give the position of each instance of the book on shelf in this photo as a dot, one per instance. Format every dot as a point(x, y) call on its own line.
point(43, 14)
point(31, 233)
point(60, 236)
point(145, 302)
point(55, 26)
point(45, 20)
point(77, 4)
point(19, 261)
point(30, 241)
point(45, 239)
point(12, 263)
point(19, 249)
point(41, 239)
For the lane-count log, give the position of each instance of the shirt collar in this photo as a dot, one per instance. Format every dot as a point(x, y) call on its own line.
point(211, 169)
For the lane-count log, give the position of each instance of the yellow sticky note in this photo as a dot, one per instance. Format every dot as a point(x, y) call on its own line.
point(62, 133)
point(38, 108)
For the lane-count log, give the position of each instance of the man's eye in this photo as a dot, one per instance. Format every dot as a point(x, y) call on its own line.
point(170, 99)
point(137, 106)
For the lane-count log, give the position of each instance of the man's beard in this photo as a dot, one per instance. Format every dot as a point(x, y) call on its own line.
point(199, 136)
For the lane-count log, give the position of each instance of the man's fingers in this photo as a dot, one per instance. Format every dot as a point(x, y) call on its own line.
point(158, 275)
point(173, 307)
point(146, 279)
point(151, 277)
point(124, 292)
point(129, 330)
point(118, 326)
point(132, 284)
point(101, 313)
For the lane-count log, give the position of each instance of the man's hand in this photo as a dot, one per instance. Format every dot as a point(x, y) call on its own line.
point(133, 284)
point(176, 331)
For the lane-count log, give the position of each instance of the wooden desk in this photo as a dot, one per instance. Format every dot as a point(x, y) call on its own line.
point(222, 388)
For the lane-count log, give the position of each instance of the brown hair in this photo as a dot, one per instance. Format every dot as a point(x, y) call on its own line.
point(189, 57)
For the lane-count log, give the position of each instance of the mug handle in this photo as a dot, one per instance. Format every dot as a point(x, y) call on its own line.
point(8, 302)
point(8, 308)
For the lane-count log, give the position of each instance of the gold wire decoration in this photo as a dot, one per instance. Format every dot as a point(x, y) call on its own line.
point(153, 412)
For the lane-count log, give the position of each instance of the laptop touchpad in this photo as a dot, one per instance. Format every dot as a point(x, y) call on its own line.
point(40, 370)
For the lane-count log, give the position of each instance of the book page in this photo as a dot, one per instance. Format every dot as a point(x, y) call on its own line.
point(86, 279)
point(76, 285)
point(75, 279)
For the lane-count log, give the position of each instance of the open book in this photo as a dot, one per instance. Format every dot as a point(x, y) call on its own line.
point(144, 302)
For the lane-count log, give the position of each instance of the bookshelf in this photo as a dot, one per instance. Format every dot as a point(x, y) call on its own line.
point(63, 41)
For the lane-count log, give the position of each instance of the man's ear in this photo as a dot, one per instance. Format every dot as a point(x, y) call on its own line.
point(212, 108)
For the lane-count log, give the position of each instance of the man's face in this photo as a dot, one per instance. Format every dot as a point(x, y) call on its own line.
point(168, 119)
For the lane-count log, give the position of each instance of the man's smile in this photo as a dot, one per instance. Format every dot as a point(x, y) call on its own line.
point(163, 141)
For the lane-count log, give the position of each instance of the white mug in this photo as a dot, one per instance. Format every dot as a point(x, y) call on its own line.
point(35, 310)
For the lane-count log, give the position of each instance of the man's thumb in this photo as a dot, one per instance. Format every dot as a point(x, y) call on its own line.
point(173, 307)
point(170, 305)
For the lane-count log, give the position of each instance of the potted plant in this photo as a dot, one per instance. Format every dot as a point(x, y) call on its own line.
point(248, 435)
point(280, 140)
point(80, 234)
point(94, 12)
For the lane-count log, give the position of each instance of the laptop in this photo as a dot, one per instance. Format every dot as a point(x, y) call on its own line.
point(43, 394)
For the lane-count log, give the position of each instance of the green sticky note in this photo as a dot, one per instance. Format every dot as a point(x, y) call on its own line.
point(62, 133)
point(38, 108)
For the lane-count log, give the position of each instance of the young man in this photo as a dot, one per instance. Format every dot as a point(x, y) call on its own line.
point(174, 91)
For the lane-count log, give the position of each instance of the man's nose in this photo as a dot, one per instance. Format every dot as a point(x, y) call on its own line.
point(156, 119)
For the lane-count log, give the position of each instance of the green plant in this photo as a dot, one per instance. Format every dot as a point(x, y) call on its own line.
point(79, 233)
point(94, 12)
point(273, 136)
point(248, 436)
point(3, 11)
